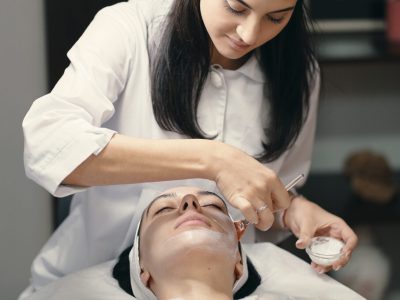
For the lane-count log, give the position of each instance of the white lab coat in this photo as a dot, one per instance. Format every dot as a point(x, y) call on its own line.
point(106, 89)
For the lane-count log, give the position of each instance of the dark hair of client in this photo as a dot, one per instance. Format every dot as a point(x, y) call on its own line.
point(181, 66)
point(121, 272)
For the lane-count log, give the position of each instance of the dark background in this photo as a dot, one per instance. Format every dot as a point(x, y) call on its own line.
point(348, 9)
point(65, 23)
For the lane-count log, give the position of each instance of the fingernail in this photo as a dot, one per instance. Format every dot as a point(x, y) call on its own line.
point(299, 242)
point(320, 271)
point(347, 255)
point(254, 222)
point(268, 227)
point(337, 268)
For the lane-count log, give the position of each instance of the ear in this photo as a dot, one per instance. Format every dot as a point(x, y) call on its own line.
point(145, 277)
point(238, 266)
point(239, 229)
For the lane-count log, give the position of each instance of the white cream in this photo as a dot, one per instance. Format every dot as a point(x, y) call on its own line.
point(205, 239)
point(324, 250)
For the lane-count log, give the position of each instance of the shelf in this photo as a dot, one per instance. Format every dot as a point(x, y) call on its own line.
point(355, 47)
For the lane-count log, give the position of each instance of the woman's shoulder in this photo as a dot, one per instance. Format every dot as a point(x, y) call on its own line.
point(125, 17)
point(138, 17)
point(128, 23)
point(133, 10)
point(152, 10)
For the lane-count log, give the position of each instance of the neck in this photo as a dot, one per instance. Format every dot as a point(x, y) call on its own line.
point(210, 280)
point(192, 290)
point(227, 63)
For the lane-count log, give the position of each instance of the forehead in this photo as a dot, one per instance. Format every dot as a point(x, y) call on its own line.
point(267, 2)
point(182, 190)
point(269, 5)
point(179, 192)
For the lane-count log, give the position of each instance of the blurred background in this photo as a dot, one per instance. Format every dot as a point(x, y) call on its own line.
point(356, 164)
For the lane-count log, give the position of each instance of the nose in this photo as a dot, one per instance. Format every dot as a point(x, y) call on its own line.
point(249, 31)
point(189, 202)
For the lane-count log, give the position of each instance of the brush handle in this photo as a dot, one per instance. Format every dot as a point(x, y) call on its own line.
point(295, 181)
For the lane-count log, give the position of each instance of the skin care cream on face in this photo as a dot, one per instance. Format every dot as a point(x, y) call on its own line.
point(324, 250)
point(204, 240)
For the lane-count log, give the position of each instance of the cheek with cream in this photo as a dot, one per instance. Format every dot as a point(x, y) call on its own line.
point(203, 241)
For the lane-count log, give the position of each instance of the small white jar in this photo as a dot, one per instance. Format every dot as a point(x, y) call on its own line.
point(325, 250)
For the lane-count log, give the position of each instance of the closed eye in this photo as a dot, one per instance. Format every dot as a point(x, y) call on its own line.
point(214, 206)
point(233, 10)
point(163, 210)
point(275, 20)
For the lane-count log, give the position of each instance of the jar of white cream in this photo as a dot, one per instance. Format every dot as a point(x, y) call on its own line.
point(324, 250)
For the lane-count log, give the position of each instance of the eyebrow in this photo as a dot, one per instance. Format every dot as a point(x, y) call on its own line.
point(271, 12)
point(175, 195)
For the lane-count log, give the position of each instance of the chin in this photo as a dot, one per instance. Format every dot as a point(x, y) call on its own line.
point(191, 255)
point(231, 54)
point(224, 50)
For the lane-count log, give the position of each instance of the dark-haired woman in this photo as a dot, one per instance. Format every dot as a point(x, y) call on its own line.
point(208, 92)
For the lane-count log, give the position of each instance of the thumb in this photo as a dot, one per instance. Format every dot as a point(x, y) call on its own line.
point(306, 233)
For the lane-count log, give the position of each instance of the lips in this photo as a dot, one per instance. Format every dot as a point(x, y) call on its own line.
point(192, 218)
point(238, 44)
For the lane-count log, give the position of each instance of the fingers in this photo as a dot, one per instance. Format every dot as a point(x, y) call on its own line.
point(336, 266)
point(307, 231)
point(277, 199)
point(265, 218)
point(344, 259)
point(320, 269)
point(350, 239)
point(246, 208)
point(256, 212)
point(248, 185)
point(280, 197)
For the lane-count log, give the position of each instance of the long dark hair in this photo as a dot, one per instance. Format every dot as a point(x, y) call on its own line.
point(182, 63)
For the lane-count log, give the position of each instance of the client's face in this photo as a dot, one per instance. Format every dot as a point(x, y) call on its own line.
point(186, 226)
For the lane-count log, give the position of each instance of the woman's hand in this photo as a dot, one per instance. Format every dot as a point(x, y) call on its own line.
point(248, 185)
point(306, 220)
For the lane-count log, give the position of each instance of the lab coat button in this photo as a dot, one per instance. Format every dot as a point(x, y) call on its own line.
point(216, 79)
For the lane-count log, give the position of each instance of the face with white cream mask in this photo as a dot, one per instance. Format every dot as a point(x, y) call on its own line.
point(187, 234)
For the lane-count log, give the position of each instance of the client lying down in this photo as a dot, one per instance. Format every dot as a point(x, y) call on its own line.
point(186, 247)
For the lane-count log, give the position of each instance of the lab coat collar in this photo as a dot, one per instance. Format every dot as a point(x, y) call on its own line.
point(252, 69)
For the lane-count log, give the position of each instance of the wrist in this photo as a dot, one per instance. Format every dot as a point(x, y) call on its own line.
point(285, 215)
point(210, 158)
point(215, 156)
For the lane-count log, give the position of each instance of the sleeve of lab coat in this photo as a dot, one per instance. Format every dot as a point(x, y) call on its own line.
point(298, 157)
point(63, 128)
